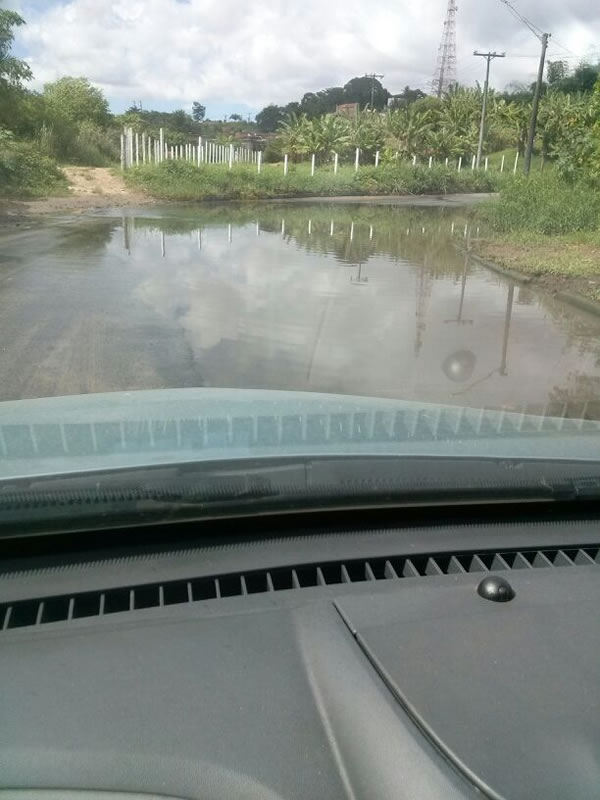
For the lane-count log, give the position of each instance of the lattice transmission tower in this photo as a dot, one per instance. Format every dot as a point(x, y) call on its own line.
point(445, 73)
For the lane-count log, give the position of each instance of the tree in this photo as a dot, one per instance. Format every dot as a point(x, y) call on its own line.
point(583, 79)
point(181, 121)
point(358, 90)
point(407, 130)
point(407, 97)
point(76, 100)
point(235, 117)
point(198, 111)
point(270, 117)
point(556, 72)
point(315, 104)
point(13, 71)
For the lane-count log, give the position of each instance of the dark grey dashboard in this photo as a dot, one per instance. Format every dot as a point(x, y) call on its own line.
point(376, 672)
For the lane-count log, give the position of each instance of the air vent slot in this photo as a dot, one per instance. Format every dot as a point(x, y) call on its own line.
point(62, 608)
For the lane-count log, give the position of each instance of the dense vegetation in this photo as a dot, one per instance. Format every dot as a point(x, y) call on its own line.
point(448, 127)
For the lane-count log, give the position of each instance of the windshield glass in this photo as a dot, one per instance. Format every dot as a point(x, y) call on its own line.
point(312, 249)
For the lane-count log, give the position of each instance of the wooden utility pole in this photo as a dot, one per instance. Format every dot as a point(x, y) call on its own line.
point(536, 103)
point(488, 57)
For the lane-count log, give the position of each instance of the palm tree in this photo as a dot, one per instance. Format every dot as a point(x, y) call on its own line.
point(443, 142)
point(293, 133)
point(332, 134)
point(367, 133)
point(407, 130)
point(516, 118)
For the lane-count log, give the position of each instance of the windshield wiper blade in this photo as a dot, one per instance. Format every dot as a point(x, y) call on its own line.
point(205, 490)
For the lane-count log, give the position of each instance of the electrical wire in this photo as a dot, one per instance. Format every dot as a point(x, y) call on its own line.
point(537, 32)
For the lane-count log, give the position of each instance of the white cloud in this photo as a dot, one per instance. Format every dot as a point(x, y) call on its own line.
point(229, 52)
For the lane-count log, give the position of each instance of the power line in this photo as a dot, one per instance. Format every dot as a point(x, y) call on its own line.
point(537, 32)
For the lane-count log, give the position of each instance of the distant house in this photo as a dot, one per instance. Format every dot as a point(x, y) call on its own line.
point(349, 110)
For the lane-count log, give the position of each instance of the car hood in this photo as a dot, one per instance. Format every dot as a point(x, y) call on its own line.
point(60, 435)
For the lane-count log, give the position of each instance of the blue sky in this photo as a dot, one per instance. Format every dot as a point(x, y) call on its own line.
point(235, 56)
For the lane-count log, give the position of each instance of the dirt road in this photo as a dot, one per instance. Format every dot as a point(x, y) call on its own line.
point(89, 188)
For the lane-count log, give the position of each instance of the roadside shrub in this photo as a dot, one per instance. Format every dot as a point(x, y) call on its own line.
point(272, 153)
point(86, 144)
point(95, 146)
point(544, 203)
point(24, 171)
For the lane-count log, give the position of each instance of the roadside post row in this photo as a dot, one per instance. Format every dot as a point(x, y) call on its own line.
point(139, 149)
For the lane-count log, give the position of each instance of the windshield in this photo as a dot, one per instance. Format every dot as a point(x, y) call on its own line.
point(231, 233)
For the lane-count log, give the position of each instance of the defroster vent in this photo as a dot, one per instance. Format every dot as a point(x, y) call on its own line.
point(62, 608)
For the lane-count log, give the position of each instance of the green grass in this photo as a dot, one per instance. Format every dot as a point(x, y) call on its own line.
point(178, 180)
point(544, 204)
point(548, 228)
point(495, 161)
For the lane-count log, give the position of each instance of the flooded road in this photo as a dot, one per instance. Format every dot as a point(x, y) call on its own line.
point(367, 300)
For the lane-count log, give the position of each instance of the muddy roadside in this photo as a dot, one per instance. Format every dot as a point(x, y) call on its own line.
point(90, 189)
point(559, 265)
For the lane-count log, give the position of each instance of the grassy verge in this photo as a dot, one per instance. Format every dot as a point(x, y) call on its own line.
point(548, 229)
point(177, 180)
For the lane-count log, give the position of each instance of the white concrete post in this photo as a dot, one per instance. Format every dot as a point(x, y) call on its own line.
point(459, 163)
point(473, 161)
point(452, 228)
point(230, 156)
point(285, 164)
point(162, 143)
point(143, 148)
point(430, 161)
point(283, 227)
point(199, 150)
point(356, 159)
point(370, 232)
point(331, 228)
point(259, 162)
point(377, 158)
point(122, 151)
point(309, 227)
point(502, 165)
point(351, 231)
point(137, 149)
point(486, 164)
point(516, 162)
point(229, 237)
point(172, 153)
point(335, 163)
point(446, 162)
point(414, 161)
point(131, 147)
point(312, 165)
